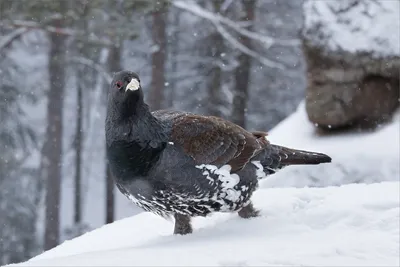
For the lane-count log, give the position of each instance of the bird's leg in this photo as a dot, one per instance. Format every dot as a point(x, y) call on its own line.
point(183, 225)
point(248, 212)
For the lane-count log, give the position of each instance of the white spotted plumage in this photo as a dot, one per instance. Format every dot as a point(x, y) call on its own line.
point(260, 169)
point(229, 180)
point(228, 194)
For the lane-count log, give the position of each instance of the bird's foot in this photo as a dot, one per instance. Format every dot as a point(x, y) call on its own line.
point(248, 212)
point(183, 225)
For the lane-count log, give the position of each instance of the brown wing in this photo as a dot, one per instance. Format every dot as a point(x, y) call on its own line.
point(213, 140)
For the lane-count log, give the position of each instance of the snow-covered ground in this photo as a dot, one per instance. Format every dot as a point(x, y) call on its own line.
point(344, 213)
point(348, 225)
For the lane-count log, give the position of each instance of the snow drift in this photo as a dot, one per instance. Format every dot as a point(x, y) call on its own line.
point(364, 157)
point(348, 225)
point(344, 213)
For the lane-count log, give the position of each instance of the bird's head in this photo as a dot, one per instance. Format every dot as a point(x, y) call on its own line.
point(125, 92)
point(125, 84)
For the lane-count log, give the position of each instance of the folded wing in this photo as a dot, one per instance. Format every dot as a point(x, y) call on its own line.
point(213, 140)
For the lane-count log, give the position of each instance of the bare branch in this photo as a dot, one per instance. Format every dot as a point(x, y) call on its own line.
point(244, 49)
point(80, 35)
point(8, 39)
point(225, 5)
point(90, 63)
point(268, 41)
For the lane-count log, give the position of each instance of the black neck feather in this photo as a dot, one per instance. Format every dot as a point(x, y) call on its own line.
point(133, 121)
point(135, 140)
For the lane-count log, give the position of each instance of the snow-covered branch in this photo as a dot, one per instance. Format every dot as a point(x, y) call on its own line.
point(63, 31)
point(90, 63)
point(244, 49)
point(9, 38)
point(225, 5)
point(21, 28)
point(268, 41)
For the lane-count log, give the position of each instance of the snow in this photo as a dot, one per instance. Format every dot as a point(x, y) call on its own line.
point(341, 214)
point(348, 225)
point(366, 157)
point(298, 132)
point(354, 26)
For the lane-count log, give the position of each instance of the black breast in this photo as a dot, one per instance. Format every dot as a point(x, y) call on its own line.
point(128, 160)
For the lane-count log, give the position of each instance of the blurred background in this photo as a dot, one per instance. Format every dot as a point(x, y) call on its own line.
point(249, 61)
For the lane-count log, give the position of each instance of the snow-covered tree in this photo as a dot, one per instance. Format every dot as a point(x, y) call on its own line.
point(19, 183)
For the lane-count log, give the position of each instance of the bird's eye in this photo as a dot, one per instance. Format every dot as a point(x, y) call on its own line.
point(119, 84)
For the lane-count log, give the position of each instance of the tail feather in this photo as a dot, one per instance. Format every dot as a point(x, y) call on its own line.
point(289, 156)
point(276, 157)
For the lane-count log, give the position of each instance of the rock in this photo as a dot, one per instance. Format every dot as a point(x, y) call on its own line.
point(351, 82)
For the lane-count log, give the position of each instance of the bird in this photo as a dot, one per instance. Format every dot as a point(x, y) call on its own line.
point(180, 165)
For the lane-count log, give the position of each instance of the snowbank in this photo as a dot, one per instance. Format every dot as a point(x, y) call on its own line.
point(364, 157)
point(354, 26)
point(348, 225)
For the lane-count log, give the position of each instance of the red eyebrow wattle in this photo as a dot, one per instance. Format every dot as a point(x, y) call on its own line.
point(119, 84)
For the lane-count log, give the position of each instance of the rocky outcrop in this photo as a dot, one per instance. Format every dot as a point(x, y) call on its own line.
point(353, 62)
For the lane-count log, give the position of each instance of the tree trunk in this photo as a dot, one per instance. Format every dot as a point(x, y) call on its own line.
point(174, 45)
point(242, 72)
point(81, 74)
point(158, 57)
point(114, 65)
point(78, 157)
point(54, 131)
point(215, 49)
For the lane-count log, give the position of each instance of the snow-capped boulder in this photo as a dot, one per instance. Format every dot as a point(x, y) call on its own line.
point(352, 50)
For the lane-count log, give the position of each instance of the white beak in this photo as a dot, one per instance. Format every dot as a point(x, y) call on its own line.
point(133, 85)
